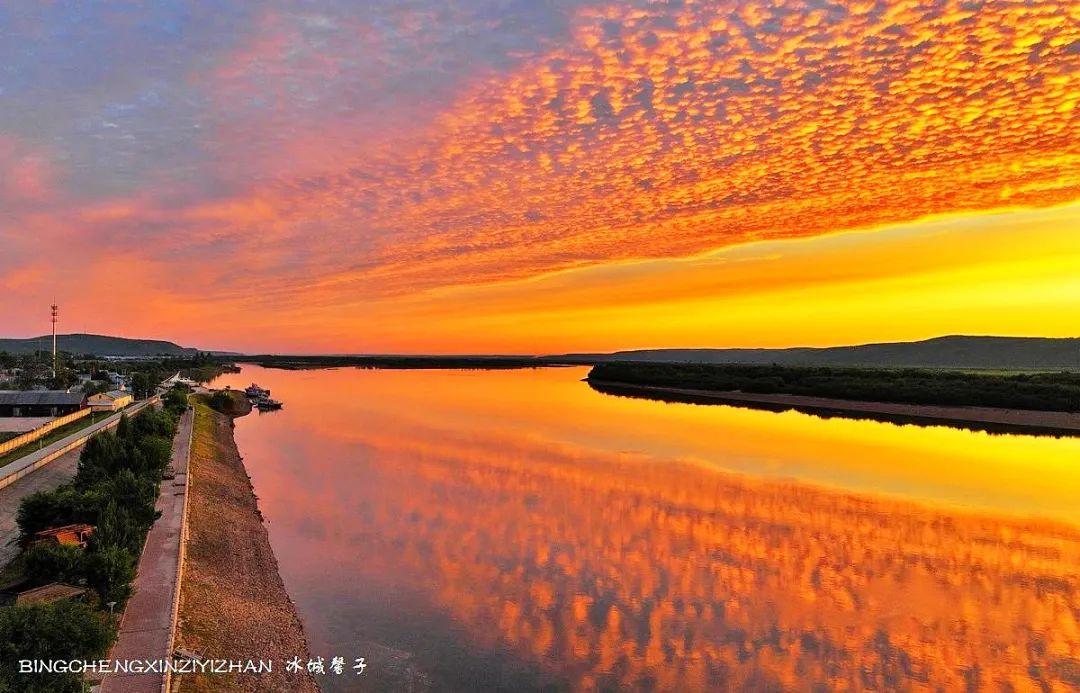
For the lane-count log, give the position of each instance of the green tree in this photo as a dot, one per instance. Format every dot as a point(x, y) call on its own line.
point(109, 572)
point(142, 384)
point(64, 630)
point(221, 401)
point(45, 563)
point(63, 505)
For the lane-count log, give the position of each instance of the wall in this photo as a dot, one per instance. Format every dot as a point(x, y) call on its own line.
point(40, 431)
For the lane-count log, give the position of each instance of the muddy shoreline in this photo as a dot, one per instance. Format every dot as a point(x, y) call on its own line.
point(233, 603)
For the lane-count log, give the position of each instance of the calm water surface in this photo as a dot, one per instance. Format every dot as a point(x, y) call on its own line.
point(517, 530)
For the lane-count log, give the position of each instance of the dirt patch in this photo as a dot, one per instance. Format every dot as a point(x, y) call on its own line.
point(233, 604)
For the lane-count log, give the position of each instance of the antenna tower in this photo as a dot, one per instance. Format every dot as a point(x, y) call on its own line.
point(53, 314)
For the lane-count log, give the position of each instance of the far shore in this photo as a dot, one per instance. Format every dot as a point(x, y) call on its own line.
point(1018, 420)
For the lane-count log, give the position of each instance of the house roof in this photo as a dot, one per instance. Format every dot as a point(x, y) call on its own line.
point(53, 531)
point(47, 594)
point(23, 398)
point(113, 394)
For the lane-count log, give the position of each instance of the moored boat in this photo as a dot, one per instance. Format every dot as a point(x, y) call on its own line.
point(255, 392)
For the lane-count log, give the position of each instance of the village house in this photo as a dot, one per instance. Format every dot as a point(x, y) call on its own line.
point(113, 400)
point(68, 535)
point(118, 381)
point(21, 403)
point(50, 593)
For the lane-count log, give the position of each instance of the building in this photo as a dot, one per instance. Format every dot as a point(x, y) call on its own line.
point(113, 400)
point(47, 594)
point(118, 381)
point(40, 402)
point(68, 535)
point(178, 380)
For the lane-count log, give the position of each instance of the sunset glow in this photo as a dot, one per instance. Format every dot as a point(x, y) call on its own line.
point(541, 177)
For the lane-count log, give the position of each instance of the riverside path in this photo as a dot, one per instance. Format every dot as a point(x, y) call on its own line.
point(148, 626)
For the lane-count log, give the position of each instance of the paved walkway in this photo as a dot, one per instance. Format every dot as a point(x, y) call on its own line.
point(146, 629)
point(57, 472)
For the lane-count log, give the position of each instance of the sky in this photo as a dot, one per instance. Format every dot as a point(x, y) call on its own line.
point(539, 176)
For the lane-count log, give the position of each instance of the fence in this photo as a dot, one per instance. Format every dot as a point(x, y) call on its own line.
point(35, 460)
point(40, 431)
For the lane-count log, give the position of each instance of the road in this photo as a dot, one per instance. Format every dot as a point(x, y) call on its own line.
point(44, 478)
point(57, 472)
point(146, 629)
point(30, 463)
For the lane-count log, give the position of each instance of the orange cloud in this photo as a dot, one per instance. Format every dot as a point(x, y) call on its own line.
point(689, 130)
point(642, 133)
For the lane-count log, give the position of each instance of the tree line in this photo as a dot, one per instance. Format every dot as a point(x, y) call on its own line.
point(1049, 391)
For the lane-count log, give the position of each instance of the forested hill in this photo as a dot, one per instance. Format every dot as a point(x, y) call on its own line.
point(98, 345)
point(942, 352)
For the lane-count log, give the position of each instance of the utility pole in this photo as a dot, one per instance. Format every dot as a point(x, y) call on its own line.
point(54, 313)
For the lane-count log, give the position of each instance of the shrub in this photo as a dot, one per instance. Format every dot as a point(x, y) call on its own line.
point(221, 401)
point(47, 563)
point(64, 505)
point(64, 630)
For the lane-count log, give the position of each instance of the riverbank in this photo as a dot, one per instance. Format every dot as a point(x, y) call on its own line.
point(1005, 420)
point(919, 387)
point(233, 604)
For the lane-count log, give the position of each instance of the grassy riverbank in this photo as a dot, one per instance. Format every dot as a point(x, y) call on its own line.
point(233, 603)
point(1055, 392)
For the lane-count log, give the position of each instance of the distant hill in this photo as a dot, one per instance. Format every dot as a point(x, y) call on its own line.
point(98, 345)
point(942, 352)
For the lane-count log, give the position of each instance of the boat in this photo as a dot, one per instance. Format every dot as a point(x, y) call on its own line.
point(255, 392)
point(267, 404)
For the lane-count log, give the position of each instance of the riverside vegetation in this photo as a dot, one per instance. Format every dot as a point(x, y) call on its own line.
point(1050, 391)
point(114, 489)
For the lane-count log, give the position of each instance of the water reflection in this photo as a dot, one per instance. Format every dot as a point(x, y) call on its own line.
point(517, 530)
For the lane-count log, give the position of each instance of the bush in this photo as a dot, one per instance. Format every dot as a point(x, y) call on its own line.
point(47, 563)
point(63, 505)
point(221, 401)
point(63, 630)
point(1039, 391)
point(176, 399)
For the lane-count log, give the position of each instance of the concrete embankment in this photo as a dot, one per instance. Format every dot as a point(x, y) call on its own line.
point(233, 604)
point(1011, 419)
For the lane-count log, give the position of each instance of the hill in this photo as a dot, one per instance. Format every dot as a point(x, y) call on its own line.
point(1012, 353)
point(98, 345)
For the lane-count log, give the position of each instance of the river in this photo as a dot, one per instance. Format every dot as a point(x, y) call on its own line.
point(517, 530)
